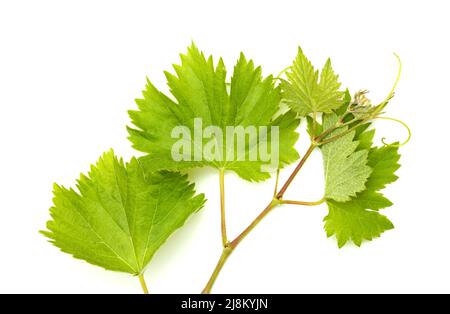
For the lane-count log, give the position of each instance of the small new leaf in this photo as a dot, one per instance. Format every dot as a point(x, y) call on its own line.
point(305, 93)
point(346, 169)
point(120, 216)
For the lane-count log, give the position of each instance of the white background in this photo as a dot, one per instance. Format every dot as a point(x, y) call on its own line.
point(70, 70)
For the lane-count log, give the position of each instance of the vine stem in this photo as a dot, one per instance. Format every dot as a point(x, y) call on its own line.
point(143, 283)
point(333, 138)
point(254, 223)
point(222, 207)
point(230, 246)
point(223, 258)
point(296, 170)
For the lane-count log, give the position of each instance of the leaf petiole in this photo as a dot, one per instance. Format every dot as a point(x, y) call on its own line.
point(302, 203)
point(222, 207)
point(277, 178)
point(143, 283)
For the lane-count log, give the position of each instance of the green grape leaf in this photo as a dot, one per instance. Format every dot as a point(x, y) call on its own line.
point(369, 199)
point(357, 219)
point(354, 223)
point(384, 162)
point(365, 139)
point(120, 216)
point(305, 93)
point(346, 169)
point(202, 101)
